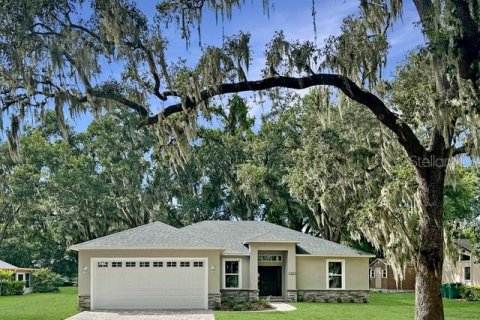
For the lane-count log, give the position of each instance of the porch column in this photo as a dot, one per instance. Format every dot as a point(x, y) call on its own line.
point(253, 267)
point(291, 274)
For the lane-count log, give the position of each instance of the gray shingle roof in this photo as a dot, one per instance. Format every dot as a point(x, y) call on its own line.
point(6, 265)
point(233, 235)
point(152, 235)
point(465, 244)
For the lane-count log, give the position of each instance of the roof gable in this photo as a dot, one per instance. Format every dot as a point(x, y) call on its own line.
point(465, 244)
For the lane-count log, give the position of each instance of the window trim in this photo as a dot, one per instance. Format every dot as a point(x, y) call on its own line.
point(384, 273)
point(327, 283)
point(372, 272)
point(224, 274)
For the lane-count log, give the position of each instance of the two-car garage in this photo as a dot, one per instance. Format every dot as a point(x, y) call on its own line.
point(149, 283)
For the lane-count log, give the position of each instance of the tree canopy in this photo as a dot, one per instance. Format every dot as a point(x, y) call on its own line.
point(427, 116)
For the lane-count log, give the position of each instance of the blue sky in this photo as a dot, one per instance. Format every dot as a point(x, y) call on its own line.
point(291, 16)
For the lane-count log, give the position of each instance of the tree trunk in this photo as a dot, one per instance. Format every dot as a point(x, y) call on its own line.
point(429, 264)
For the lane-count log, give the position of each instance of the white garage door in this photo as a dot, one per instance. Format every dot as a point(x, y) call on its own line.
point(147, 283)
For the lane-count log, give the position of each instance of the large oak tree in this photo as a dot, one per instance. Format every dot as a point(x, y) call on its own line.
point(53, 51)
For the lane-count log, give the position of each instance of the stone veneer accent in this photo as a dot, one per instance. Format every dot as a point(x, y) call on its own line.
point(291, 296)
point(358, 296)
point(213, 299)
point(240, 294)
point(83, 303)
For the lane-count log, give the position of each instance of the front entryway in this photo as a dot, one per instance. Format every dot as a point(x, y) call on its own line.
point(270, 281)
point(378, 278)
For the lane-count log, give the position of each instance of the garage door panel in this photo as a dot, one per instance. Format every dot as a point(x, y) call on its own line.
point(149, 287)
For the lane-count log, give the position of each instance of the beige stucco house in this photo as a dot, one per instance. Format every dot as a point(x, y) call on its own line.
point(466, 269)
point(157, 266)
point(20, 274)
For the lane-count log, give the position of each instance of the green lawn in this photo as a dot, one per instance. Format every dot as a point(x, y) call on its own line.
point(53, 306)
point(381, 306)
point(40, 306)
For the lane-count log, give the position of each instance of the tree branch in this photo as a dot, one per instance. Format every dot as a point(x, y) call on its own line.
point(459, 150)
point(404, 133)
point(119, 98)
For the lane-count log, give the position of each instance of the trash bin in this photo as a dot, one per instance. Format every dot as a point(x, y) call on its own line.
point(452, 290)
point(444, 290)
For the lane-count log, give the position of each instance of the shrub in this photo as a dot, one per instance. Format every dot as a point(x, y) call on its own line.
point(45, 280)
point(6, 275)
point(12, 288)
point(470, 293)
point(232, 305)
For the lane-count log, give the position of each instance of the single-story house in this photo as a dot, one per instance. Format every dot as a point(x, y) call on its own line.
point(20, 274)
point(381, 276)
point(157, 266)
point(467, 269)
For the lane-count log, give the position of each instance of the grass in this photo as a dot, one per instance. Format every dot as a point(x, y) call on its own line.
point(53, 306)
point(40, 306)
point(381, 306)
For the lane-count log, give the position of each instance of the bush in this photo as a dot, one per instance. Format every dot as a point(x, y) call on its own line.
point(6, 275)
point(232, 305)
point(45, 280)
point(470, 293)
point(12, 288)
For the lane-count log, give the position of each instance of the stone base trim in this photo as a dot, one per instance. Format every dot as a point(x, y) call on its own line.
point(213, 300)
point(239, 295)
point(292, 296)
point(84, 303)
point(341, 296)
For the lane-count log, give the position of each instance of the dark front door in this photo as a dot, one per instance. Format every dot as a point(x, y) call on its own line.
point(270, 282)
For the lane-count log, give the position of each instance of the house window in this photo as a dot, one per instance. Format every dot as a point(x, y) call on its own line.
point(372, 273)
point(384, 273)
point(198, 263)
point(184, 264)
point(158, 264)
point(20, 277)
point(269, 258)
point(102, 264)
point(335, 275)
point(144, 264)
point(171, 264)
point(467, 274)
point(116, 264)
point(130, 264)
point(232, 272)
point(464, 257)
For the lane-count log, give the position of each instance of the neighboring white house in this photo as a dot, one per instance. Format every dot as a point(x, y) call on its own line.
point(467, 269)
point(21, 274)
point(157, 266)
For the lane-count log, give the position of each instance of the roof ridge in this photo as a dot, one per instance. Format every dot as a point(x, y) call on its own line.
point(123, 232)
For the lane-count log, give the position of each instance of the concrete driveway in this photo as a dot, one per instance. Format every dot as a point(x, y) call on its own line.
point(145, 315)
